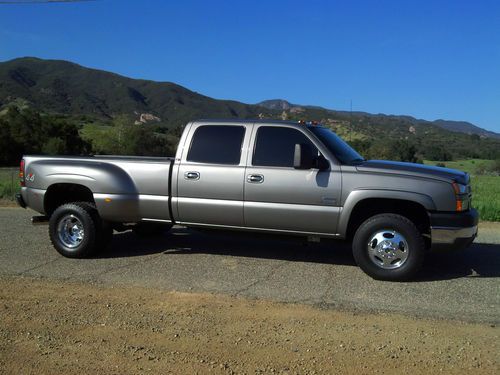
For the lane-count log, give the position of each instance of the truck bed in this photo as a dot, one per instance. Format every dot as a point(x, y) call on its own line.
point(124, 188)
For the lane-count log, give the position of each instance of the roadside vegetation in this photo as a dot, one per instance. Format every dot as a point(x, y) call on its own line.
point(9, 183)
point(27, 131)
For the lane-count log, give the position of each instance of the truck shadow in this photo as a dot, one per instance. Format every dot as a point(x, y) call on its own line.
point(262, 247)
point(186, 241)
point(479, 260)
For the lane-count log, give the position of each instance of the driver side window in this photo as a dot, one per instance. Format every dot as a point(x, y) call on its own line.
point(275, 146)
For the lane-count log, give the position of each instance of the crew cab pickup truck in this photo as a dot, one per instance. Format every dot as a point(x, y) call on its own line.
point(257, 176)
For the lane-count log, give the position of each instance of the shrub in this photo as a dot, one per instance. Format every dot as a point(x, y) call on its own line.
point(495, 167)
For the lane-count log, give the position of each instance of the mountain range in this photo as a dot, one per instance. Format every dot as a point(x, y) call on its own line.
point(454, 126)
point(56, 86)
point(68, 88)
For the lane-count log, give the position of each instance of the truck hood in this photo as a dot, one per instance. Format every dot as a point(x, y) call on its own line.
point(395, 167)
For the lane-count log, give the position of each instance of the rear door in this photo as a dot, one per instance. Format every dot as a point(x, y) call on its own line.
point(279, 197)
point(211, 175)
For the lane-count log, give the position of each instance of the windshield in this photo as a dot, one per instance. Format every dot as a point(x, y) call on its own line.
point(342, 151)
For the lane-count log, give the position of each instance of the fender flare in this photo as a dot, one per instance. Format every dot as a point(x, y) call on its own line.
point(356, 196)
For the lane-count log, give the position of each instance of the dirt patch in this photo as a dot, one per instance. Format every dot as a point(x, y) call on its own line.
point(7, 203)
point(55, 327)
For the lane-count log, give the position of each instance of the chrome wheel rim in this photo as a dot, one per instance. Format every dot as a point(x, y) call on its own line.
point(388, 249)
point(70, 231)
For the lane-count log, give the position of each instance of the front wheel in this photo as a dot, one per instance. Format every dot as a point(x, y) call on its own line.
point(389, 247)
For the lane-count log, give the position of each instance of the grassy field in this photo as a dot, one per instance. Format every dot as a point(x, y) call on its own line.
point(486, 196)
point(485, 188)
point(473, 166)
point(9, 183)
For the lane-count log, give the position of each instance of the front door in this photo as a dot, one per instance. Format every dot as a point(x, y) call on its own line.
point(279, 197)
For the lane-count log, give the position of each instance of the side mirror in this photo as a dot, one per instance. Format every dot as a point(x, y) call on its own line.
point(321, 163)
point(302, 158)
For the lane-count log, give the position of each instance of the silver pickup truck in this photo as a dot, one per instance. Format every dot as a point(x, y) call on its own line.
point(257, 176)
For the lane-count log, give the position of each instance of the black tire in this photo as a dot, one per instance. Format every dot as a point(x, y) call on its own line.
point(104, 229)
point(151, 229)
point(64, 229)
point(383, 257)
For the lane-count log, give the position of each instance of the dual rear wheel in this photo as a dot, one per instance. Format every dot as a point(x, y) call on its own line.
point(77, 231)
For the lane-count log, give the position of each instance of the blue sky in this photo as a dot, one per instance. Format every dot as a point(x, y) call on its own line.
point(429, 59)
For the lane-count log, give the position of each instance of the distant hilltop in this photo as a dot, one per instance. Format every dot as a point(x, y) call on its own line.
point(56, 86)
point(454, 126)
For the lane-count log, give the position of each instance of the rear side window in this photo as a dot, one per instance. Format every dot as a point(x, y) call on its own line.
point(275, 146)
point(217, 144)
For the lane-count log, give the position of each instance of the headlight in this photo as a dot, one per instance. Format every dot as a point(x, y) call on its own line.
point(460, 196)
point(459, 188)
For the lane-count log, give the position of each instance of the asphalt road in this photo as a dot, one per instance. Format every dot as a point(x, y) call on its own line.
point(461, 285)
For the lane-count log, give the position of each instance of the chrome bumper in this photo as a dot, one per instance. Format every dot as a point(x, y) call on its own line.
point(453, 230)
point(450, 235)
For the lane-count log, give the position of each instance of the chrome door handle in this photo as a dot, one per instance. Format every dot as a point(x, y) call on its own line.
point(255, 178)
point(192, 175)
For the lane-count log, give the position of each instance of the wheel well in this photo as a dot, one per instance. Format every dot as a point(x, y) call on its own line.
point(59, 194)
point(374, 206)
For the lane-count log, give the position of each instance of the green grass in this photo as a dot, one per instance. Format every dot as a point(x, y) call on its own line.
point(472, 166)
point(9, 183)
point(485, 188)
point(486, 197)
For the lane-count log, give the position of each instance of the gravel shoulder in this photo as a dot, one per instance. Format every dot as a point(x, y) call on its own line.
point(62, 327)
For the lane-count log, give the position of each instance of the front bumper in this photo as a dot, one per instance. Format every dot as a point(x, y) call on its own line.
point(454, 230)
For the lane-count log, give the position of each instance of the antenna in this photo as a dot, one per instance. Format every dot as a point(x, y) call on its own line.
point(350, 124)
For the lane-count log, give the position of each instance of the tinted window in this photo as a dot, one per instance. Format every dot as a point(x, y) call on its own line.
point(216, 144)
point(275, 146)
point(342, 151)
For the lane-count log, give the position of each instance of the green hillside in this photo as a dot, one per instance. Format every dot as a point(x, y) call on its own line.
point(67, 88)
point(52, 106)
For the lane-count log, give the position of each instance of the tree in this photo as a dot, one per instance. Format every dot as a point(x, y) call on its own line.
point(398, 150)
point(27, 131)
